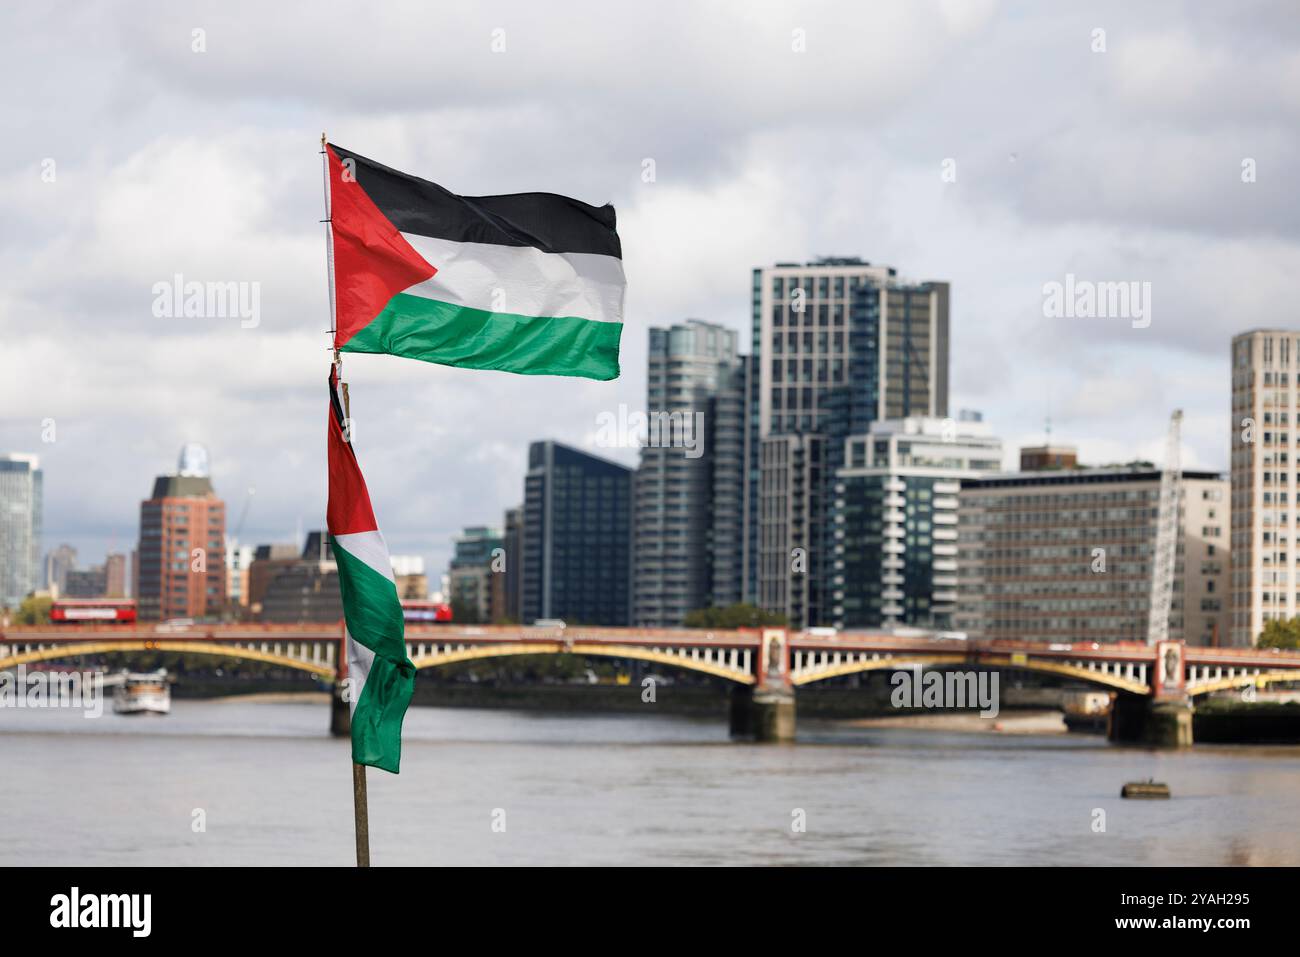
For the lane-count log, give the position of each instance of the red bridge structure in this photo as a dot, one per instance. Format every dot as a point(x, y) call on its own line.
point(1155, 686)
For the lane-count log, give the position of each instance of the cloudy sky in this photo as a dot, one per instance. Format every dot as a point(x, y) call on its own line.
point(1107, 143)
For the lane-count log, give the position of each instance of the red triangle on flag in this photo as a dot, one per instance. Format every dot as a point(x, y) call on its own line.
point(373, 262)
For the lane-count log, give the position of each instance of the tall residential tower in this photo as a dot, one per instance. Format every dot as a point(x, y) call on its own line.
point(840, 343)
point(1265, 416)
point(21, 492)
point(686, 547)
point(180, 568)
point(895, 531)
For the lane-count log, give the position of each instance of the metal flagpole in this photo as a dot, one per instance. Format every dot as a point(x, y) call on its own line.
point(329, 245)
point(360, 808)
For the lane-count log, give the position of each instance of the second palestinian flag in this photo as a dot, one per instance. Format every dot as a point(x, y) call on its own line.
point(382, 676)
point(528, 282)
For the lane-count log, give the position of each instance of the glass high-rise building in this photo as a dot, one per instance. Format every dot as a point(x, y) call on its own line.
point(841, 321)
point(839, 343)
point(21, 508)
point(686, 546)
point(513, 543)
point(577, 538)
point(727, 450)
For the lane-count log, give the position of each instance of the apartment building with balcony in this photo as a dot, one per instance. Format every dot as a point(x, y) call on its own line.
point(895, 520)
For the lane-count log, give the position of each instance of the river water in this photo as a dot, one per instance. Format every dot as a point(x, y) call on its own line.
point(507, 787)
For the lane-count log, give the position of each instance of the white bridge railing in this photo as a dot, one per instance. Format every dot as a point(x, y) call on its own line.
point(813, 664)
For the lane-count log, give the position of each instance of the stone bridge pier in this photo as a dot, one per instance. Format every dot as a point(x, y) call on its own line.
point(765, 710)
point(1162, 719)
point(1158, 723)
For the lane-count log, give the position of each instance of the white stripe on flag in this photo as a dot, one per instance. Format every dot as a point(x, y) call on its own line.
point(360, 658)
point(370, 548)
point(521, 279)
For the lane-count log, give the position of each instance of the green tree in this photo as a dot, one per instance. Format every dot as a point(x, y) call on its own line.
point(1135, 464)
point(34, 610)
point(739, 615)
point(464, 612)
point(1280, 634)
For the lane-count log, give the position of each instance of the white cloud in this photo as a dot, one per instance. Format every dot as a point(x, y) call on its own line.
point(1123, 165)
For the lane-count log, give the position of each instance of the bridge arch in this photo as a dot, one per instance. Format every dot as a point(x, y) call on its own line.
point(320, 669)
point(1104, 679)
point(713, 665)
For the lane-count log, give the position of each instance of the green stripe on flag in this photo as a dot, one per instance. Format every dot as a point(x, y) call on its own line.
point(442, 332)
point(374, 616)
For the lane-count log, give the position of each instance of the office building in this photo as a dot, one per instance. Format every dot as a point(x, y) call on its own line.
point(99, 581)
point(303, 588)
point(1065, 556)
point(268, 561)
point(21, 511)
point(116, 575)
point(58, 563)
point(307, 591)
point(239, 562)
point(409, 577)
point(471, 576)
point(733, 429)
point(1040, 458)
point(513, 543)
point(181, 569)
point(793, 531)
point(577, 538)
point(287, 584)
point(85, 583)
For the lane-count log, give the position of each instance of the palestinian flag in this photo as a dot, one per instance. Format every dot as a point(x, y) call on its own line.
point(381, 674)
point(527, 282)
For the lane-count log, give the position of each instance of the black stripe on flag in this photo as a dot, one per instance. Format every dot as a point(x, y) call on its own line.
point(547, 221)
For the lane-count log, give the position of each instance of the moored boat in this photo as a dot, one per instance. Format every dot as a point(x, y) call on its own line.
point(143, 693)
point(1150, 788)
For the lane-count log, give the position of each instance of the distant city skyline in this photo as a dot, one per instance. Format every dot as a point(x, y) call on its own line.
point(91, 551)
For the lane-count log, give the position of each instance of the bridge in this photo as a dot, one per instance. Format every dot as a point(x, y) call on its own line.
point(1154, 687)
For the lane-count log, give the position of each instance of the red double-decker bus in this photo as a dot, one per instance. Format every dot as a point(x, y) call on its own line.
point(93, 611)
point(426, 612)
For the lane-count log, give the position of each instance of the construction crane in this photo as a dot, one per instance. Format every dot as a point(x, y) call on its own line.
point(243, 513)
point(1165, 555)
point(232, 539)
